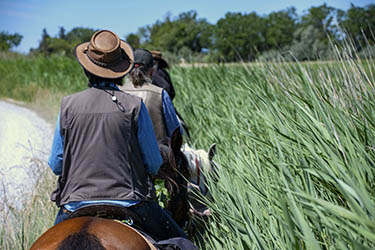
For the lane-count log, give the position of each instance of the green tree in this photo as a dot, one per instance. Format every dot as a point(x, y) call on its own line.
point(280, 28)
point(308, 47)
point(173, 34)
point(312, 35)
point(239, 36)
point(43, 44)
point(359, 24)
point(79, 35)
point(144, 34)
point(60, 46)
point(62, 34)
point(9, 41)
point(321, 18)
point(133, 40)
point(63, 43)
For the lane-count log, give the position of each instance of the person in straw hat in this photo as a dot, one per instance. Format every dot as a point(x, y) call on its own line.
point(104, 147)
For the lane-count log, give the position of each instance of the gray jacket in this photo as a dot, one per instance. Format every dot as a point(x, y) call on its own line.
point(102, 159)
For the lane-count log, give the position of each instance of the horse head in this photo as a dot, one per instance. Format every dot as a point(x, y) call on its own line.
point(199, 164)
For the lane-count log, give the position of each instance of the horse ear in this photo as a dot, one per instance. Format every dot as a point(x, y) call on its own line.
point(176, 141)
point(211, 152)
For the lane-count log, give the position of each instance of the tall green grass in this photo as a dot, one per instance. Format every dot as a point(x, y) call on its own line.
point(295, 148)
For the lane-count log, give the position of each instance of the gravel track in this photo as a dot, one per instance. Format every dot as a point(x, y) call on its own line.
point(25, 142)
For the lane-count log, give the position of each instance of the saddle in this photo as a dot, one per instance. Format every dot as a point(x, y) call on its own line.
point(114, 212)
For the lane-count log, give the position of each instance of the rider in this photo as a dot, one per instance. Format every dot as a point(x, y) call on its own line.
point(160, 76)
point(156, 99)
point(104, 147)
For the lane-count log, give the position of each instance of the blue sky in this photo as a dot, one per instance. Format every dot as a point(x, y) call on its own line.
point(29, 17)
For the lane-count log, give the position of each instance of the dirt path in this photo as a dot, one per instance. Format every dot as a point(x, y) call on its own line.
point(25, 142)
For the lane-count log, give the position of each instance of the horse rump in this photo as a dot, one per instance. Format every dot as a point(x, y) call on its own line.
point(81, 241)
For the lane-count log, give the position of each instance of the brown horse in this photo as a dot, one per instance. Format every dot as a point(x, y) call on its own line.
point(92, 233)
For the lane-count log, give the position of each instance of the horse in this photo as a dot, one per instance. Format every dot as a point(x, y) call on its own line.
point(175, 174)
point(92, 233)
point(200, 165)
point(184, 175)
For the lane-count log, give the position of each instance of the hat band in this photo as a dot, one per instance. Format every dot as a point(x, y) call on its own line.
point(106, 65)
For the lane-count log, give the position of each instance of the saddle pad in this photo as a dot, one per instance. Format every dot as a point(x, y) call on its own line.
point(114, 212)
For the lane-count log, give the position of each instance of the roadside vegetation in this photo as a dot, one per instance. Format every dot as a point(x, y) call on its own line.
point(295, 148)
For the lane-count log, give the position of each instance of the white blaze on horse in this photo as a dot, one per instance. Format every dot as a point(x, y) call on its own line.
point(200, 164)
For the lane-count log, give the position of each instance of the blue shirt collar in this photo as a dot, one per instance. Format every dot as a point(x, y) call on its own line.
point(106, 85)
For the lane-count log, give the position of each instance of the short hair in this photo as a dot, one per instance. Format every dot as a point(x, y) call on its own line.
point(94, 79)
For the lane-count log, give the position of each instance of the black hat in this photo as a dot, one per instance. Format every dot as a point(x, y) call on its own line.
point(143, 56)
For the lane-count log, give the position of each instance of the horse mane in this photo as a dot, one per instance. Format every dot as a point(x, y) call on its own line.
point(81, 241)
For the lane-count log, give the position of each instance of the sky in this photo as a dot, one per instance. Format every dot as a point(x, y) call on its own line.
point(30, 17)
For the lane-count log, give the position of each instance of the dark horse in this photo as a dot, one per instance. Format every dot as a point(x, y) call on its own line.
point(99, 233)
point(175, 174)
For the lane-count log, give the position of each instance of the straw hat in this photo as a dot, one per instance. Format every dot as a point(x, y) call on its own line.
point(157, 56)
point(105, 55)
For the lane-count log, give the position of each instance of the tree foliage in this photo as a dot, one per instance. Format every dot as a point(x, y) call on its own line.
point(9, 41)
point(239, 36)
point(311, 38)
point(79, 35)
point(64, 43)
point(186, 31)
point(359, 24)
point(236, 36)
point(133, 40)
point(279, 26)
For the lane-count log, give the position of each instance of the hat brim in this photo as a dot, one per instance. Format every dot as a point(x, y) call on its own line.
point(111, 72)
point(162, 63)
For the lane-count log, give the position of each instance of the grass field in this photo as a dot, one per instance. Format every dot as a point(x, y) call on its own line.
point(295, 148)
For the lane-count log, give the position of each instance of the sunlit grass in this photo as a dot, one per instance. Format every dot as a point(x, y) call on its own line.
point(296, 151)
